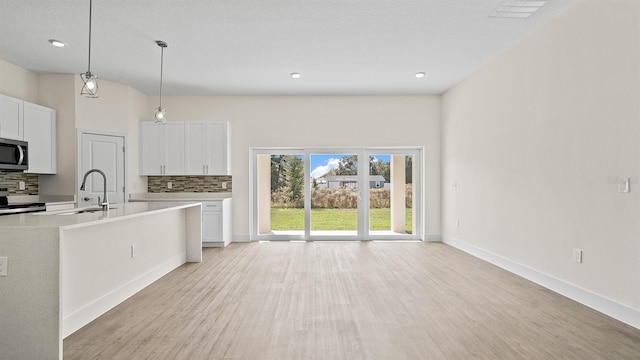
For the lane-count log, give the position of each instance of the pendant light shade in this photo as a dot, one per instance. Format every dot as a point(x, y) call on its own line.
point(161, 113)
point(89, 80)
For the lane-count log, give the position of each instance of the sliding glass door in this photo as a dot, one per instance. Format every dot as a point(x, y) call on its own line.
point(336, 194)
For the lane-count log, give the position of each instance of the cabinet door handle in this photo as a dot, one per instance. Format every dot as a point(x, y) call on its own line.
point(204, 169)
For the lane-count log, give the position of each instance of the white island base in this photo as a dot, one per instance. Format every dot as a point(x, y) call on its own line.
point(66, 270)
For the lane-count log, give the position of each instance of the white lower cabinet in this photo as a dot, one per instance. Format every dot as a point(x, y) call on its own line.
point(216, 223)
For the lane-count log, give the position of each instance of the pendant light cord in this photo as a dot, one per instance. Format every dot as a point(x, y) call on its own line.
point(89, 65)
point(161, 68)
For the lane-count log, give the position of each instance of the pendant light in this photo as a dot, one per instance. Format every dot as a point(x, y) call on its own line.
point(161, 113)
point(89, 80)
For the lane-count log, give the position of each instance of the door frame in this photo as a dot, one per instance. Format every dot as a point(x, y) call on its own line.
point(417, 192)
point(79, 154)
point(363, 232)
point(253, 191)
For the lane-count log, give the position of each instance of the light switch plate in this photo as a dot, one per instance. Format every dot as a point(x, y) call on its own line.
point(4, 263)
point(577, 255)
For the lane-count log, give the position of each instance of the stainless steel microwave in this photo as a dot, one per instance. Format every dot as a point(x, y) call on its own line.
point(14, 155)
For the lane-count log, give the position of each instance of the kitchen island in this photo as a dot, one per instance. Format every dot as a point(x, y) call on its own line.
point(216, 212)
point(65, 269)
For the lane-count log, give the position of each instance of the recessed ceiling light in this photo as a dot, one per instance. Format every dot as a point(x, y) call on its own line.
point(296, 75)
point(56, 43)
point(420, 75)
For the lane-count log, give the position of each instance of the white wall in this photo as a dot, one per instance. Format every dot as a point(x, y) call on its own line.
point(57, 92)
point(118, 109)
point(138, 111)
point(535, 141)
point(18, 82)
point(297, 121)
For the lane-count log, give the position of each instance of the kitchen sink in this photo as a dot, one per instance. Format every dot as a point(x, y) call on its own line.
point(75, 211)
point(82, 211)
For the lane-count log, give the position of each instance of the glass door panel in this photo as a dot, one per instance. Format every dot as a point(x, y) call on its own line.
point(391, 195)
point(334, 195)
point(280, 182)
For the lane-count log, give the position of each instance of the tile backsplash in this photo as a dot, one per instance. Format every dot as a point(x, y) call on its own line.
point(11, 180)
point(159, 184)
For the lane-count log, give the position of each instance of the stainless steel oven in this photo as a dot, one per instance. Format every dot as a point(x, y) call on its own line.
point(14, 155)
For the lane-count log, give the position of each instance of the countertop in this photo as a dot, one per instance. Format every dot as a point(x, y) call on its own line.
point(119, 212)
point(181, 196)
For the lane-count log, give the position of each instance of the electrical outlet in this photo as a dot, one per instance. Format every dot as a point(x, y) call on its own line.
point(21, 185)
point(134, 250)
point(4, 263)
point(169, 185)
point(577, 255)
point(224, 184)
point(624, 185)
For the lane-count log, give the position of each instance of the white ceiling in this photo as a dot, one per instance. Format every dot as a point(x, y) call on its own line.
point(249, 47)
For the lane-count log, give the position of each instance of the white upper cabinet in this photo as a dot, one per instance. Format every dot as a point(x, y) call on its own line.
point(40, 133)
point(161, 148)
point(174, 148)
point(151, 154)
point(195, 163)
point(190, 148)
point(11, 115)
point(35, 124)
point(218, 159)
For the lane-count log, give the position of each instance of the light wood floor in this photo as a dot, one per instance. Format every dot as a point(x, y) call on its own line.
point(328, 300)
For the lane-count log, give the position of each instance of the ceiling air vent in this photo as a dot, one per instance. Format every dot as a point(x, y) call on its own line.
point(517, 9)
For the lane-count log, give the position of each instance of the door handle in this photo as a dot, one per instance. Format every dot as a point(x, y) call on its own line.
point(21, 156)
point(86, 198)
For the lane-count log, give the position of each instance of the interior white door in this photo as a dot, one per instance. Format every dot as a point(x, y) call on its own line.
point(106, 153)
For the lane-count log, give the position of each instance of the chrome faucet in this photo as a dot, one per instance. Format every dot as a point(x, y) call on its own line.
point(105, 201)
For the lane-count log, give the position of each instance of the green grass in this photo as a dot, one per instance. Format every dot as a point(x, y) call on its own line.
point(332, 219)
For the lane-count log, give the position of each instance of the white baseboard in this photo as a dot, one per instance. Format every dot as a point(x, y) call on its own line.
point(91, 311)
point(213, 244)
point(241, 238)
point(433, 238)
point(597, 302)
